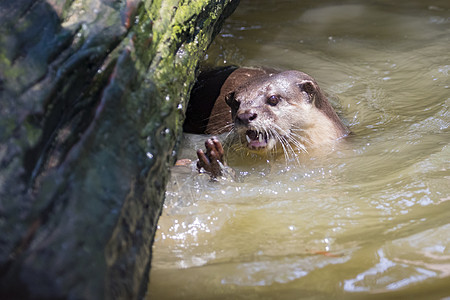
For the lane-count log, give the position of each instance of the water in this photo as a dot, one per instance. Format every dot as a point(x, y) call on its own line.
point(370, 220)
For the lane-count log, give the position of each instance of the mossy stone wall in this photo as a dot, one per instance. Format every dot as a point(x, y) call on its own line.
point(92, 100)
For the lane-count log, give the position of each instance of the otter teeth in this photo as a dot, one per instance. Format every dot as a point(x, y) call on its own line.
point(256, 139)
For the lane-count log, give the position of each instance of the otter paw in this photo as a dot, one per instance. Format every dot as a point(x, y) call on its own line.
point(211, 161)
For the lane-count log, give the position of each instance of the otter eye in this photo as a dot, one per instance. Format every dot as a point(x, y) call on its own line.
point(273, 100)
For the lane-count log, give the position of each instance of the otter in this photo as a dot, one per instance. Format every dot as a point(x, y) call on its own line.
point(265, 112)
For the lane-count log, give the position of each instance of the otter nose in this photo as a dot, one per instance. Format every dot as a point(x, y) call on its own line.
point(246, 117)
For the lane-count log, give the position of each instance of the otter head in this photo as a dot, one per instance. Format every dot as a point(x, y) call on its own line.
point(283, 111)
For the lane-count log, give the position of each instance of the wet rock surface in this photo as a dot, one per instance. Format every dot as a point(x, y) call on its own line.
point(92, 100)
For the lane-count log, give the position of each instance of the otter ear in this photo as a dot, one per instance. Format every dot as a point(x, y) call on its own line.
point(308, 87)
point(229, 98)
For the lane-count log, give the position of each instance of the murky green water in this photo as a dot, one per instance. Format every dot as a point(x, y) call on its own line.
point(371, 220)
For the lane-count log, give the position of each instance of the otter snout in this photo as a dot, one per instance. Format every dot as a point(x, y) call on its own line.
point(244, 118)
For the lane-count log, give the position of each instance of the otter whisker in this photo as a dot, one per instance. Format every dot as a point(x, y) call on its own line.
point(219, 114)
point(281, 140)
point(288, 141)
point(290, 149)
point(298, 143)
point(299, 137)
point(287, 149)
point(273, 134)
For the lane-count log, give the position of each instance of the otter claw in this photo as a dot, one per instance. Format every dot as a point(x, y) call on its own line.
point(212, 160)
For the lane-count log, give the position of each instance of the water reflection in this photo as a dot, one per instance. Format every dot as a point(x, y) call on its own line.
point(369, 220)
point(429, 260)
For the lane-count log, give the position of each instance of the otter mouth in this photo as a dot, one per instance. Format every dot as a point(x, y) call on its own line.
point(256, 139)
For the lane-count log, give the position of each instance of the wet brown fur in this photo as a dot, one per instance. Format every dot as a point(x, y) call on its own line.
point(303, 118)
